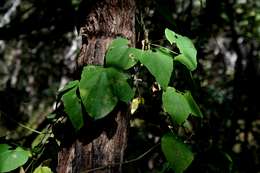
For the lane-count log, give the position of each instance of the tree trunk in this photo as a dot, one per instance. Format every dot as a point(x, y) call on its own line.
point(103, 142)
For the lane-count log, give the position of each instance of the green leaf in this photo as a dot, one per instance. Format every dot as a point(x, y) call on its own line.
point(194, 108)
point(69, 86)
point(176, 105)
point(66, 88)
point(185, 61)
point(186, 47)
point(4, 148)
point(159, 64)
point(120, 87)
point(11, 159)
point(96, 92)
point(72, 106)
point(42, 169)
point(101, 88)
point(41, 138)
point(119, 54)
point(188, 52)
point(179, 105)
point(170, 35)
point(177, 153)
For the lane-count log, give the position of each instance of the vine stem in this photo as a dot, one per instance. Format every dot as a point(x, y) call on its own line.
point(125, 162)
point(156, 45)
point(20, 124)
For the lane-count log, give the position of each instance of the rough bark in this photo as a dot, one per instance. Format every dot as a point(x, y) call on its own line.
point(105, 21)
point(102, 143)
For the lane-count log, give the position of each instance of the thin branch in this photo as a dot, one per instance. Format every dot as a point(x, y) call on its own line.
point(22, 125)
point(156, 45)
point(142, 155)
point(7, 16)
point(126, 162)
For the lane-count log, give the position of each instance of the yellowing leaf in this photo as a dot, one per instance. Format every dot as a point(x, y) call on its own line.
point(135, 104)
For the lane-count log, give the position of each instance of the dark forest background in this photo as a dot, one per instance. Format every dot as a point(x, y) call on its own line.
point(39, 44)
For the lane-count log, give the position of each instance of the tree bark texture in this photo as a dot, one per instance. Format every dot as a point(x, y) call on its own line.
point(103, 142)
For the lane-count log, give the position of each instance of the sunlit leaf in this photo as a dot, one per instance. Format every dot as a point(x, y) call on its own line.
point(188, 56)
point(170, 35)
point(135, 104)
point(72, 106)
point(188, 52)
point(177, 153)
point(11, 159)
point(159, 64)
point(42, 169)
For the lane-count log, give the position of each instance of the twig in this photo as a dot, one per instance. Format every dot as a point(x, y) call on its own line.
point(156, 45)
point(126, 162)
point(22, 125)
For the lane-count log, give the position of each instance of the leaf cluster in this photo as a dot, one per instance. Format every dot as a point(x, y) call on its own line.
point(101, 88)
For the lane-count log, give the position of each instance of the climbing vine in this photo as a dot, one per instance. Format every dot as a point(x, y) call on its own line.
point(100, 88)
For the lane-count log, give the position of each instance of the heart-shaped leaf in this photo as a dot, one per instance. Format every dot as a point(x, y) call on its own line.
point(96, 92)
point(179, 105)
point(176, 105)
point(11, 159)
point(101, 88)
point(159, 64)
